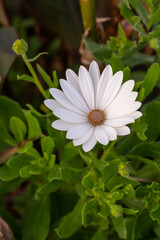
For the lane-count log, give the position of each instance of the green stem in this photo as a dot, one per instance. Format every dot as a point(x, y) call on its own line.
point(37, 83)
point(105, 154)
point(88, 11)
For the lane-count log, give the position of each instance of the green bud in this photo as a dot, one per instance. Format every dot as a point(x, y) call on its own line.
point(20, 46)
point(123, 170)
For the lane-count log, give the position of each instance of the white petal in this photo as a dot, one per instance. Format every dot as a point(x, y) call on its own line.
point(127, 86)
point(62, 125)
point(95, 74)
point(121, 131)
point(87, 146)
point(119, 122)
point(86, 85)
point(126, 99)
point(62, 99)
point(136, 114)
point(122, 110)
point(52, 104)
point(84, 138)
point(72, 78)
point(103, 82)
point(111, 132)
point(78, 131)
point(101, 135)
point(68, 115)
point(73, 95)
point(112, 90)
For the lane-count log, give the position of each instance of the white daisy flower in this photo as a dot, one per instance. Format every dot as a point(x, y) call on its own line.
point(94, 107)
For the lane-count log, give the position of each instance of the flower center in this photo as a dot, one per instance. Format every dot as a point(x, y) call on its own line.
point(96, 117)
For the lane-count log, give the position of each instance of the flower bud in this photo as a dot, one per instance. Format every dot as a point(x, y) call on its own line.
point(20, 46)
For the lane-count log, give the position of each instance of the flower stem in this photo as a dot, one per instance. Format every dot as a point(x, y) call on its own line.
point(88, 11)
point(141, 179)
point(36, 80)
point(105, 154)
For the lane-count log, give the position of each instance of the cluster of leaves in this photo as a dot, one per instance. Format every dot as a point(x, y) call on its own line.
point(55, 190)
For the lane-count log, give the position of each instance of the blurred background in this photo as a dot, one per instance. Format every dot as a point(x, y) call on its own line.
point(47, 26)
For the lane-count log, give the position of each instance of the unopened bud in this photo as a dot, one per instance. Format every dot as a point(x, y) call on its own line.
point(20, 46)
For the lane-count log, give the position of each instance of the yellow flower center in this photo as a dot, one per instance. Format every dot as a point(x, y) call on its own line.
point(96, 117)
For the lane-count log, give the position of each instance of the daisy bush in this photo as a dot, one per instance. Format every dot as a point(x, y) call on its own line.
point(86, 164)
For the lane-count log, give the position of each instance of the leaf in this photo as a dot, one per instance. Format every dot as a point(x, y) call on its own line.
point(47, 145)
point(37, 219)
point(120, 227)
point(19, 161)
point(99, 235)
point(34, 130)
point(26, 78)
point(5, 136)
point(50, 187)
point(45, 76)
point(8, 109)
point(7, 174)
point(55, 80)
point(154, 18)
point(141, 128)
point(151, 116)
point(18, 128)
point(138, 58)
point(87, 181)
point(71, 222)
point(69, 153)
point(116, 63)
point(32, 152)
point(151, 78)
point(126, 74)
point(147, 149)
point(140, 9)
point(141, 226)
point(88, 206)
point(130, 211)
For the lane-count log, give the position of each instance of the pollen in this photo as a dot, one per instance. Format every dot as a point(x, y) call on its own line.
point(96, 117)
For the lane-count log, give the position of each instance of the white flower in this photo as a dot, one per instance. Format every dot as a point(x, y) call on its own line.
point(94, 108)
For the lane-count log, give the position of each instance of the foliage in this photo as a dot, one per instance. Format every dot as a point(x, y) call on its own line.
point(113, 192)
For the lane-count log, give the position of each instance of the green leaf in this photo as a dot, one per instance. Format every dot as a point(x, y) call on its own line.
point(47, 145)
point(141, 128)
point(99, 235)
point(7, 174)
point(36, 57)
point(147, 149)
point(46, 188)
point(5, 136)
point(141, 94)
point(69, 153)
point(154, 18)
point(8, 109)
point(19, 161)
point(151, 116)
point(26, 78)
point(55, 80)
point(32, 152)
point(71, 222)
point(87, 181)
point(18, 128)
point(126, 74)
point(140, 9)
point(142, 225)
point(88, 206)
point(130, 211)
point(138, 58)
point(45, 76)
point(116, 63)
point(37, 219)
point(151, 78)
point(34, 130)
point(155, 215)
point(120, 227)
